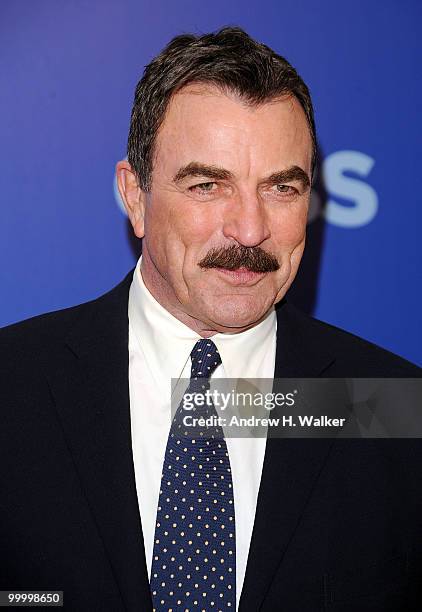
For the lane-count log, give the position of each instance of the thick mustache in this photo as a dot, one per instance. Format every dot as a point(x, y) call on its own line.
point(253, 259)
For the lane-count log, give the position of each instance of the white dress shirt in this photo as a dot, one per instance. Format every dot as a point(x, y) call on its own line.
point(159, 350)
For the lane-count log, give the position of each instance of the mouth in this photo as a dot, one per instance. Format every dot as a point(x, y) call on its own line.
point(241, 276)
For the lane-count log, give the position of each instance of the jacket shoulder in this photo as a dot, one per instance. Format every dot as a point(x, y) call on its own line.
point(36, 336)
point(354, 356)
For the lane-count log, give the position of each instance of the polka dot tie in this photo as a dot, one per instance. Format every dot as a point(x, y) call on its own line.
point(194, 556)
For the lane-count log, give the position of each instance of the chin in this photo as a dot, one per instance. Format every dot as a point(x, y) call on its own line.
point(238, 314)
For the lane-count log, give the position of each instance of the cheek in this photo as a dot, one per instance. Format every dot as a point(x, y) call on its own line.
point(195, 222)
point(156, 216)
point(178, 226)
point(289, 228)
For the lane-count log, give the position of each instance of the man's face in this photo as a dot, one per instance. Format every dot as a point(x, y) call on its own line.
point(230, 191)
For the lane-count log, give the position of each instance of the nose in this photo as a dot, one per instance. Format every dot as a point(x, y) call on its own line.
point(246, 220)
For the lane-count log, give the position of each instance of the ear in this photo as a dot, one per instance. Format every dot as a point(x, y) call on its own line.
point(132, 195)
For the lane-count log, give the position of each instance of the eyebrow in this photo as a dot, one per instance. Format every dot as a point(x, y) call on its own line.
point(294, 173)
point(197, 169)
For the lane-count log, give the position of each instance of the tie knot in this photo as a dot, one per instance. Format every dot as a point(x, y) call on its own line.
point(205, 358)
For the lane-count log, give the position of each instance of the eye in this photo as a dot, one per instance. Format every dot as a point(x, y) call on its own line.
point(280, 192)
point(286, 189)
point(203, 187)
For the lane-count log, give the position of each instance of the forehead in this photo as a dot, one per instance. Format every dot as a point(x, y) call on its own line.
point(204, 124)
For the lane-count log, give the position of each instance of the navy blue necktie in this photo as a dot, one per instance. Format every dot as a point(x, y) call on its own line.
point(194, 557)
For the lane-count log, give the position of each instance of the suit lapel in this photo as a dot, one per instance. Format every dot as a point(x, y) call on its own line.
point(291, 466)
point(90, 388)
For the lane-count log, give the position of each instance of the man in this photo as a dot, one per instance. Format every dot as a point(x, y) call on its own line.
point(217, 184)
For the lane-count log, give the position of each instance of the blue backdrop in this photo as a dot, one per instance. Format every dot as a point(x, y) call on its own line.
point(67, 75)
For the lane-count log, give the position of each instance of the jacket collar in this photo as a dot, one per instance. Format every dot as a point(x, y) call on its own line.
point(291, 465)
point(89, 384)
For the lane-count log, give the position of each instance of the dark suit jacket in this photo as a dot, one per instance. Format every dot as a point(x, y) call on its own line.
point(338, 522)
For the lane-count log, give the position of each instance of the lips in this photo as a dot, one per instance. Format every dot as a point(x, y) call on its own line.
point(241, 276)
